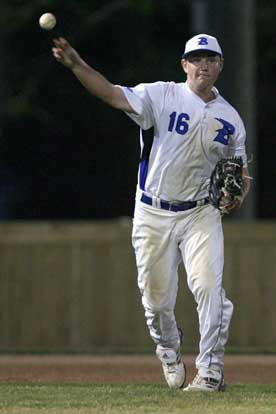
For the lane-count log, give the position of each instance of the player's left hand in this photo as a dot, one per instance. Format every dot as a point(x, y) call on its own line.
point(229, 204)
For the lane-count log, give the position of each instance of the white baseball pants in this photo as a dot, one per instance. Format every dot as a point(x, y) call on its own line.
point(161, 239)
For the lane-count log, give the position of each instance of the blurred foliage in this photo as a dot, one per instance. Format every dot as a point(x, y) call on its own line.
point(266, 91)
point(120, 34)
point(78, 158)
point(265, 22)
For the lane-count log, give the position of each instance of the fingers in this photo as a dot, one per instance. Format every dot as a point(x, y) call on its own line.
point(234, 206)
point(65, 54)
point(229, 205)
point(61, 43)
point(56, 53)
point(60, 48)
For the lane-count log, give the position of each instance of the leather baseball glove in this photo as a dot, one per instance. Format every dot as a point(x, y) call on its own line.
point(226, 183)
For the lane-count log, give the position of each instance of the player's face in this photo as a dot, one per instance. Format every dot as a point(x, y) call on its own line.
point(202, 69)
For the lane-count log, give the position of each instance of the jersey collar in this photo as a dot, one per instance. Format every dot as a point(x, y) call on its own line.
point(214, 90)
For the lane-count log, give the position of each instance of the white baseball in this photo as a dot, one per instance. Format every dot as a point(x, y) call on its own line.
point(47, 21)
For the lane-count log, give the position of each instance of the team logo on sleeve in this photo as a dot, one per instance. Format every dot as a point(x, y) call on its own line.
point(223, 134)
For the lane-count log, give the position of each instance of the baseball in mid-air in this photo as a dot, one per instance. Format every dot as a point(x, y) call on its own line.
point(47, 21)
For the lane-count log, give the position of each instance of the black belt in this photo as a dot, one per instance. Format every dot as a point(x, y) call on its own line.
point(165, 205)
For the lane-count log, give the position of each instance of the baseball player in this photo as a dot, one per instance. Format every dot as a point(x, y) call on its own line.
point(185, 128)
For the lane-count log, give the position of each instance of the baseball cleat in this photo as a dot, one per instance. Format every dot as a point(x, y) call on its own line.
point(173, 367)
point(210, 382)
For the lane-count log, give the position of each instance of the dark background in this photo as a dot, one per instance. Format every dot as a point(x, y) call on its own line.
point(66, 155)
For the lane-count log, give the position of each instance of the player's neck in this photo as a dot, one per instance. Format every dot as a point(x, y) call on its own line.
point(206, 94)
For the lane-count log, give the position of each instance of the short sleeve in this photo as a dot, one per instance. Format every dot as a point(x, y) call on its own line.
point(147, 100)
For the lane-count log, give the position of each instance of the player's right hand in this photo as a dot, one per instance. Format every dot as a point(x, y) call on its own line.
point(65, 54)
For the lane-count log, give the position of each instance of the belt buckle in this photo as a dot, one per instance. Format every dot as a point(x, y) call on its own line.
point(173, 207)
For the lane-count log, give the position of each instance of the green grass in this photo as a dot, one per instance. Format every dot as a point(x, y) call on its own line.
point(88, 398)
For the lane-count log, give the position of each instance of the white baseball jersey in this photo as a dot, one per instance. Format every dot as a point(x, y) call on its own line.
point(188, 137)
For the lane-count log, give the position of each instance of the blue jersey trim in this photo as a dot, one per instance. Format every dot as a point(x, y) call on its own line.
point(147, 138)
point(144, 164)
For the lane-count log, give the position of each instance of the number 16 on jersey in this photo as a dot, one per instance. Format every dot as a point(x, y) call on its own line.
point(178, 123)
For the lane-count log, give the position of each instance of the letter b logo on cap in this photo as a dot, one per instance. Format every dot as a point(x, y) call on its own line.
point(203, 41)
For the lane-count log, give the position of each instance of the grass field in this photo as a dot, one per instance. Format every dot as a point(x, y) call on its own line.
point(84, 398)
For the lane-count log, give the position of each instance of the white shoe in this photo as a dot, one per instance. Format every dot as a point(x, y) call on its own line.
point(173, 367)
point(208, 380)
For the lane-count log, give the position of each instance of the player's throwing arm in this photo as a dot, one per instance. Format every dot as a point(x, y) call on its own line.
point(91, 79)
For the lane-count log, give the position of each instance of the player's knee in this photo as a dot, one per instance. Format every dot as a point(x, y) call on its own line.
point(156, 304)
point(157, 300)
point(204, 288)
point(157, 294)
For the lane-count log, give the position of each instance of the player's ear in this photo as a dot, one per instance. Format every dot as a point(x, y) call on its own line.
point(184, 65)
point(221, 64)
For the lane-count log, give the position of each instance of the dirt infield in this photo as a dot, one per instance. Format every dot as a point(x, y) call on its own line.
point(257, 369)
